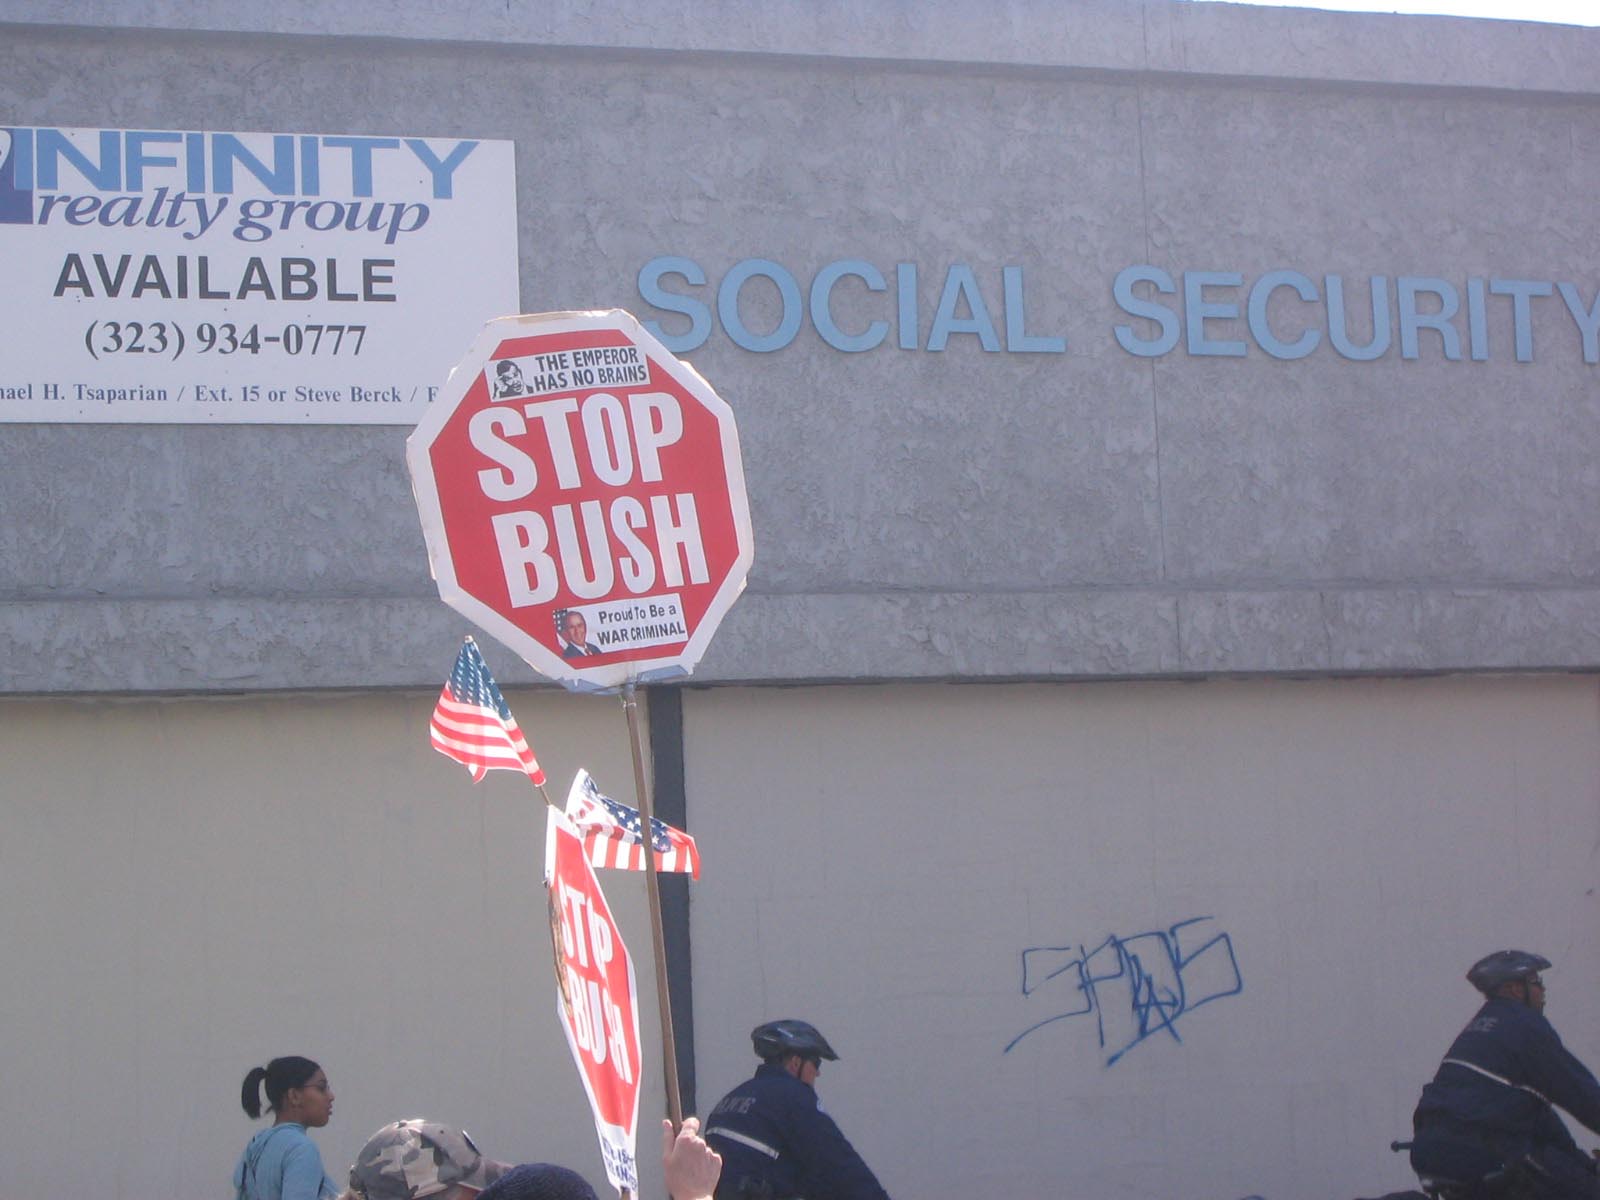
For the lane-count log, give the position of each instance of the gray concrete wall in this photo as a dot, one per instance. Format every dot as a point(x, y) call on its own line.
point(919, 513)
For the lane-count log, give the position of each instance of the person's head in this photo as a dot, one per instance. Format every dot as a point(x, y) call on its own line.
point(1511, 975)
point(573, 627)
point(508, 374)
point(418, 1159)
point(297, 1090)
point(796, 1046)
point(539, 1181)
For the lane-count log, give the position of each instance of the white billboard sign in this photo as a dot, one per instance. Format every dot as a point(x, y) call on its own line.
point(156, 275)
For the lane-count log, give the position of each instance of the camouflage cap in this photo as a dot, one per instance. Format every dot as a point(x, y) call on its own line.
point(413, 1159)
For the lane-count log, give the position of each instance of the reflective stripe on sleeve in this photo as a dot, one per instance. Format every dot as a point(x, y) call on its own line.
point(1476, 1069)
point(759, 1147)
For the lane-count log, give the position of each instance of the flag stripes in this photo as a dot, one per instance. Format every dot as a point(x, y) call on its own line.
point(613, 834)
point(472, 724)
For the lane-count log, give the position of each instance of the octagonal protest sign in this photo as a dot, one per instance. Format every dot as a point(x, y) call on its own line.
point(597, 997)
point(582, 498)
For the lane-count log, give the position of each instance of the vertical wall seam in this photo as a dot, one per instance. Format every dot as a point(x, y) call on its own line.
point(1144, 222)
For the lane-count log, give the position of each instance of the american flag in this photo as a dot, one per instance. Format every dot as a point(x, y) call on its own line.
point(472, 724)
point(611, 833)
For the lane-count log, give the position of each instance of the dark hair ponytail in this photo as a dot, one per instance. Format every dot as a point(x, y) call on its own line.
point(250, 1093)
point(280, 1075)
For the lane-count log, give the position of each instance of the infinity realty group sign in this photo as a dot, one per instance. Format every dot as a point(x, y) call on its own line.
point(163, 275)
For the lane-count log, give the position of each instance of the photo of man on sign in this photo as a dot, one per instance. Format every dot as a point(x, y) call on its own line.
point(574, 633)
point(508, 380)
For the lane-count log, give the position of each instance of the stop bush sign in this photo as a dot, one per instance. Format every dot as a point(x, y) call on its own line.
point(597, 997)
point(582, 498)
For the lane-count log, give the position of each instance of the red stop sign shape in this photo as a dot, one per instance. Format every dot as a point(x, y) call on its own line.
point(582, 498)
point(597, 997)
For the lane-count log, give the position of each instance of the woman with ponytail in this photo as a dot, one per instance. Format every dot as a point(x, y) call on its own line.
point(282, 1163)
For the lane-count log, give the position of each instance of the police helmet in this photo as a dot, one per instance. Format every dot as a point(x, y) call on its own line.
point(777, 1038)
point(1505, 966)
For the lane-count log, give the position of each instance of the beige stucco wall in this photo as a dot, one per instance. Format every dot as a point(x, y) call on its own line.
point(883, 859)
point(188, 888)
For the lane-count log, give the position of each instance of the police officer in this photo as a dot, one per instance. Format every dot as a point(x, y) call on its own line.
point(1490, 1107)
point(776, 1142)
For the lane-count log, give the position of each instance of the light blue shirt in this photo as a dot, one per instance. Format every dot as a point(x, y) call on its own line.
point(282, 1163)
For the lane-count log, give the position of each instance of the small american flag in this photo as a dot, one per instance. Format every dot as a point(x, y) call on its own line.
point(472, 724)
point(611, 833)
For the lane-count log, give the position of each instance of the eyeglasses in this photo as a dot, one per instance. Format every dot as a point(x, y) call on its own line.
point(324, 1087)
point(1534, 981)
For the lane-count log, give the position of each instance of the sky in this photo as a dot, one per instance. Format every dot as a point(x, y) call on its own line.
point(1560, 12)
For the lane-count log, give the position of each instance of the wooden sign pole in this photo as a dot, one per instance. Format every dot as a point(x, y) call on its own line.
point(669, 1051)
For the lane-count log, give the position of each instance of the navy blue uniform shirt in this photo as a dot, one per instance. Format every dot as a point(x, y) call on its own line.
point(1500, 1078)
point(771, 1130)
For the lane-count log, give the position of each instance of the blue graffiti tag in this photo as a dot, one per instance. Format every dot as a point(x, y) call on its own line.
point(1165, 979)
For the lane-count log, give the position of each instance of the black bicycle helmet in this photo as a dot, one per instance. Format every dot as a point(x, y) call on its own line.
point(1505, 966)
point(777, 1038)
